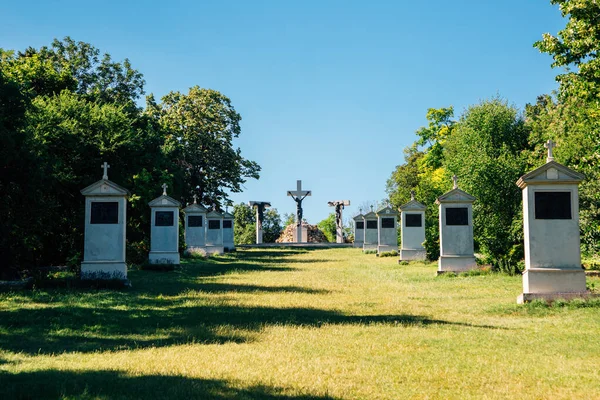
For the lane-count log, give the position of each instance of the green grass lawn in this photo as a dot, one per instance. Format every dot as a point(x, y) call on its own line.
point(298, 324)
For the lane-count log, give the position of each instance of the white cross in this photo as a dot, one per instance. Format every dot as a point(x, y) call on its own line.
point(164, 186)
point(299, 193)
point(455, 180)
point(106, 167)
point(195, 198)
point(550, 145)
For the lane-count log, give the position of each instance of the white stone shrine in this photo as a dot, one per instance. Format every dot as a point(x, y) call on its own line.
point(371, 238)
point(214, 233)
point(412, 234)
point(359, 230)
point(456, 231)
point(551, 229)
point(105, 227)
point(228, 244)
point(164, 229)
point(195, 227)
point(387, 229)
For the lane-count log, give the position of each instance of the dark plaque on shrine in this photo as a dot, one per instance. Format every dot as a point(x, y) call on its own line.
point(214, 224)
point(552, 205)
point(413, 220)
point(387, 222)
point(194, 221)
point(104, 212)
point(457, 216)
point(227, 224)
point(164, 218)
point(371, 224)
point(360, 225)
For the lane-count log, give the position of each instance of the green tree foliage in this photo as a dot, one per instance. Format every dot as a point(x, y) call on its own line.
point(271, 225)
point(245, 224)
point(327, 226)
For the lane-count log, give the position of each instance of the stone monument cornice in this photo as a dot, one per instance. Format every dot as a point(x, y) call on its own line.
point(104, 187)
point(539, 176)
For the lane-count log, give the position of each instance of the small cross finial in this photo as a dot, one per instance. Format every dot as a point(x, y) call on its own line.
point(164, 186)
point(106, 167)
point(412, 194)
point(550, 145)
point(371, 207)
point(455, 181)
point(195, 196)
point(360, 210)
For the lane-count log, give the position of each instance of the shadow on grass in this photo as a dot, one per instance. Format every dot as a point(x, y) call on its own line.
point(84, 329)
point(228, 287)
point(53, 384)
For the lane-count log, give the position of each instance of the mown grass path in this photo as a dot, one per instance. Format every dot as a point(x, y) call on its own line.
point(298, 324)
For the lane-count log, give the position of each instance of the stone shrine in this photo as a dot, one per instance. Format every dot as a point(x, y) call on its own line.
point(551, 229)
point(164, 229)
point(359, 230)
point(301, 235)
point(412, 234)
point(260, 216)
point(228, 244)
point(105, 227)
point(371, 239)
point(387, 232)
point(339, 228)
point(195, 226)
point(214, 233)
point(456, 231)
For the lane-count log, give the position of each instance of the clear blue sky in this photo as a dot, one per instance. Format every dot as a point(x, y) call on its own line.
point(330, 92)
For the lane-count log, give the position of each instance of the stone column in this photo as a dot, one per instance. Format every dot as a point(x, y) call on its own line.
point(260, 209)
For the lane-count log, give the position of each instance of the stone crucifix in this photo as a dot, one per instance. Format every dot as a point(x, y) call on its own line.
point(455, 182)
point(260, 216)
point(298, 195)
point(550, 145)
point(164, 186)
point(339, 229)
point(106, 167)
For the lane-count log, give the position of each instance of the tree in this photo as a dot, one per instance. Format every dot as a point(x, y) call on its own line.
point(200, 127)
point(327, 226)
point(244, 224)
point(271, 225)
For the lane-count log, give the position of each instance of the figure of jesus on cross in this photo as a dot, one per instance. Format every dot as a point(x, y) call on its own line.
point(298, 195)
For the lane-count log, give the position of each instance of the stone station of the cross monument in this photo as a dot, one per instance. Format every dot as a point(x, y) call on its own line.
point(359, 230)
point(195, 227)
point(105, 227)
point(164, 229)
point(387, 232)
point(412, 233)
point(371, 239)
point(228, 241)
point(214, 233)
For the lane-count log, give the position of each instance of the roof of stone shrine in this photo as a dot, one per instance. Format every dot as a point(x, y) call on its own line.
point(227, 215)
point(550, 173)
point(104, 187)
point(413, 205)
point(387, 211)
point(195, 207)
point(214, 214)
point(370, 215)
point(359, 217)
point(164, 201)
point(455, 196)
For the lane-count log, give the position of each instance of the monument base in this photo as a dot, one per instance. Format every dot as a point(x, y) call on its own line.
point(386, 248)
point(103, 270)
point(357, 244)
point(304, 235)
point(369, 246)
point(164, 257)
point(229, 247)
point(456, 264)
point(554, 280)
point(550, 297)
point(214, 250)
point(412, 255)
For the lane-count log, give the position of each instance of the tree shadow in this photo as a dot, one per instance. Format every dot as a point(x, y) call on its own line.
point(53, 384)
point(228, 287)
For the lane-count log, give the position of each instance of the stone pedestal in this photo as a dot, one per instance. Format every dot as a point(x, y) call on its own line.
point(214, 233)
point(371, 240)
point(456, 232)
point(551, 230)
point(164, 230)
point(304, 234)
point(387, 234)
point(412, 235)
point(195, 227)
point(359, 231)
point(228, 244)
point(105, 227)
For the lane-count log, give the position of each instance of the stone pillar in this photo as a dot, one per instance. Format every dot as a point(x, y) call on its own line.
point(456, 231)
point(339, 224)
point(412, 235)
point(228, 243)
point(387, 232)
point(214, 233)
point(359, 230)
point(105, 230)
point(195, 227)
point(164, 230)
point(260, 209)
point(371, 239)
point(551, 229)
